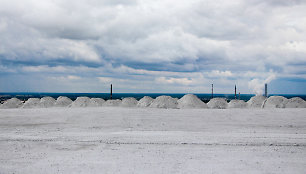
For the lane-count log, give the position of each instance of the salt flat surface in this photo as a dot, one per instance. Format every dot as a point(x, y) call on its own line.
point(150, 140)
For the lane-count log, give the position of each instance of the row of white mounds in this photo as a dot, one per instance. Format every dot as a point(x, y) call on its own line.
point(167, 102)
point(282, 102)
point(44, 102)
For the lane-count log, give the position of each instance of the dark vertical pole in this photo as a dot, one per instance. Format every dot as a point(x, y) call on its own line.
point(235, 92)
point(212, 90)
point(111, 91)
point(266, 90)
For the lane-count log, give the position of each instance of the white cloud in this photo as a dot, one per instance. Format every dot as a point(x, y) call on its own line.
point(44, 68)
point(3, 25)
point(72, 77)
point(76, 50)
point(105, 79)
point(66, 78)
point(7, 69)
point(182, 81)
point(112, 80)
point(217, 73)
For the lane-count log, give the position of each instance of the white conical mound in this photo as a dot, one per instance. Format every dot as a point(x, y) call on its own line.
point(217, 103)
point(96, 102)
point(145, 101)
point(11, 103)
point(47, 102)
point(32, 103)
point(237, 104)
point(63, 101)
point(190, 101)
point(116, 102)
point(296, 102)
point(256, 101)
point(129, 102)
point(275, 102)
point(81, 102)
point(164, 102)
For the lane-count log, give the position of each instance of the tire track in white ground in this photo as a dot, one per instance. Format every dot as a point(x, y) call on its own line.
point(155, 143)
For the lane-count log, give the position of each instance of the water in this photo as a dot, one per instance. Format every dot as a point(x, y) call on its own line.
point(138, 96)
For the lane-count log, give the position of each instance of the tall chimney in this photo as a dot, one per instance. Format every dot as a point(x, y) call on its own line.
point(111, 92)
point(266, 90)
point(212, 90)
point(235, 92)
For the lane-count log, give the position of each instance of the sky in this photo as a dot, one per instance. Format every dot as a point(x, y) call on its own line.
point(145, 46)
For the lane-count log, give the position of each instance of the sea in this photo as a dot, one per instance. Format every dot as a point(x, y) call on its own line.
point(204, 97)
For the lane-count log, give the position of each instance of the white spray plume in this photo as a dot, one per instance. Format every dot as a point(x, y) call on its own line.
point(257, 85)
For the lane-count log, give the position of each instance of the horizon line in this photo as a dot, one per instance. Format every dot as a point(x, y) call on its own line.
point(140, 93)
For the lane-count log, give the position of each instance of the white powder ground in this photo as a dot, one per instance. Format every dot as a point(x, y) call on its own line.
point(96, 102)
point(190, 101)
point(129, 102)
point(116, 102)
point(32, 103)
point(217, 103)
point(296, 102)
point(116, 140)
point(237, 104)
point(81, 102)
point(164, 102)
point(275, 102)
point(256, 101)
point(11, 103)
point(47, 102)
point(62, 101)
point(145, 101)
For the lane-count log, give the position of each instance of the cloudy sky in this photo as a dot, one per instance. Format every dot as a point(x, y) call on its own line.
point(166, 46)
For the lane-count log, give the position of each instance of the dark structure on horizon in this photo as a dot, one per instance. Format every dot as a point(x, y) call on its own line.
point(235, 92)
point(111, 92)
point(212, 90)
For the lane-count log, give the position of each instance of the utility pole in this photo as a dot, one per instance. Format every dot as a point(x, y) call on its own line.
point(212, 90)
point(235, 92)
point(111, 92)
